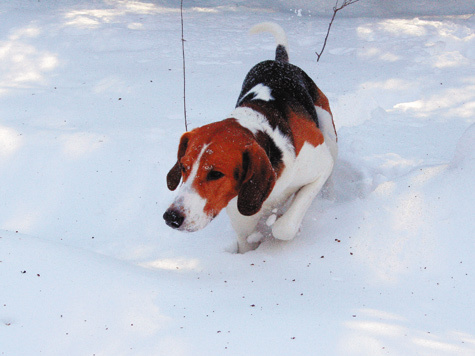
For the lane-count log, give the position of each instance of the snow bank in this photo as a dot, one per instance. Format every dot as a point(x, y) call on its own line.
point(90, 117)
point(366, 8)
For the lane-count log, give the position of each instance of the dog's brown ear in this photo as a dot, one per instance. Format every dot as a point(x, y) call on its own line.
point(259, 179)
point(174, 176)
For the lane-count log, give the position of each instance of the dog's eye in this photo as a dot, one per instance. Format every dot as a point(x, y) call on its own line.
point(214, 175)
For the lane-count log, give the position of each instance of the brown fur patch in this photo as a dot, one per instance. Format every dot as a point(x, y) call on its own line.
point(304, 130)
point(322, 101)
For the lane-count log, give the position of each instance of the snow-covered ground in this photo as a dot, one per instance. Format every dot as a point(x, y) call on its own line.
point(90, 117)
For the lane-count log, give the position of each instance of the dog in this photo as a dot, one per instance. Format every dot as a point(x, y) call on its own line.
point(277, 148)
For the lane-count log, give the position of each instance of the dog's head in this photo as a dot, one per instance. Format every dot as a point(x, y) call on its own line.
point(217, 163)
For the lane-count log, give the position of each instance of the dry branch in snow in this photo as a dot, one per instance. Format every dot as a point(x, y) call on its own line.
point(184, 67)
point(336, 8)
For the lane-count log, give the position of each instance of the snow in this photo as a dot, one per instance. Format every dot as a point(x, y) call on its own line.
point(90, 118)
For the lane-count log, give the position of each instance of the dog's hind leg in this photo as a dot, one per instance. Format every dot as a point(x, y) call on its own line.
point(287, 226)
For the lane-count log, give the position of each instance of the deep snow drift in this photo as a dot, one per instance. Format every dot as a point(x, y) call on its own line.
point(90, 118)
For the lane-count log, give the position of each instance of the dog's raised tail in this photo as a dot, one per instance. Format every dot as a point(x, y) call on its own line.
point(278, 32)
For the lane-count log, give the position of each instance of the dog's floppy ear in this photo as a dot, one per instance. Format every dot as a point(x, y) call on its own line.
point(174, 176)
point(258, 180)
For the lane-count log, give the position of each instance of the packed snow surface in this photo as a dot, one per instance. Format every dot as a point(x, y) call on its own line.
point(91, 113)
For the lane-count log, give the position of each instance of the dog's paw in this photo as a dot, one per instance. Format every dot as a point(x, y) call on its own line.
point(256, 236)
point(271, 219)
point(244, 246)
point(284, 230)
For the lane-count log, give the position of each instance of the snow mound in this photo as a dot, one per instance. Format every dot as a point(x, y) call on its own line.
point(465, 150)
point(90, 118)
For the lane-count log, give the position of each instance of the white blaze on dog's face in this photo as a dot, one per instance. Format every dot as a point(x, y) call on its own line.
point(216, 165)
point(189, 202)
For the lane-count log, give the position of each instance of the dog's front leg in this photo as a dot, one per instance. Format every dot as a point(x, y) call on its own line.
point(247, 236)
point(245, 228)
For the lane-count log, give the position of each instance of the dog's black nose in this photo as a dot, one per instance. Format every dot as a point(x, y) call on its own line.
point(173, 218)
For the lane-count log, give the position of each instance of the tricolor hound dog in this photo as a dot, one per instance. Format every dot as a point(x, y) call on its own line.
point(276, 148)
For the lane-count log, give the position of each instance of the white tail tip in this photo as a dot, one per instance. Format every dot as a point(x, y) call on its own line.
point(277, 31)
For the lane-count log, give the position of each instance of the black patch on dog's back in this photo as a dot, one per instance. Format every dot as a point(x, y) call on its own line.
point(290, 87)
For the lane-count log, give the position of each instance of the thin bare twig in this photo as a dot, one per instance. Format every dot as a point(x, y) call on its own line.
point(335, 10)
point(184, 66)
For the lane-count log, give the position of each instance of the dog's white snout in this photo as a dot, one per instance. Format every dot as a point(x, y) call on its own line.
point(187, 212)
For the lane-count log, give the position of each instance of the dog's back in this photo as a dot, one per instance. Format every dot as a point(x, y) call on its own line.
point(280, 89)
